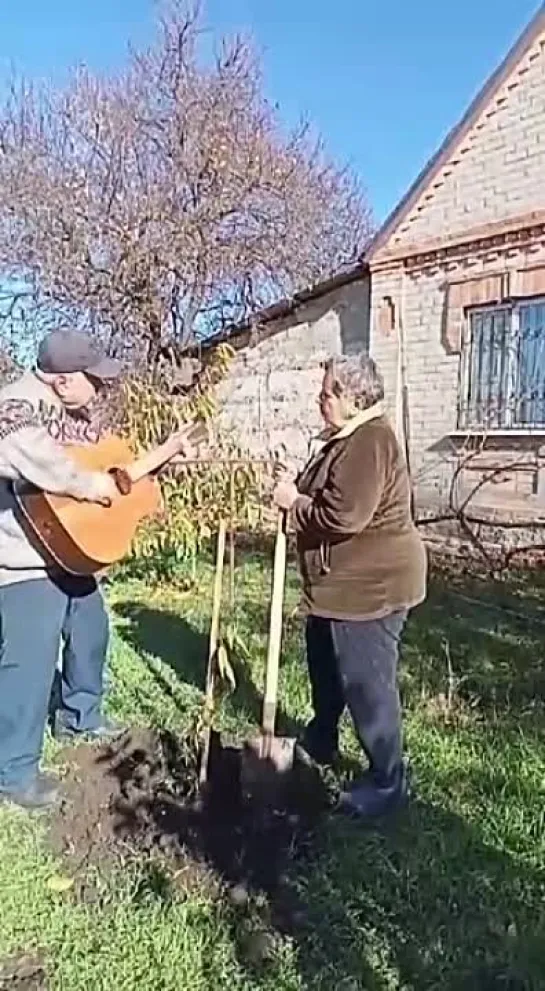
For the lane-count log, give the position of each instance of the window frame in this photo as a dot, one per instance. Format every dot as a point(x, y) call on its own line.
point(510, 424)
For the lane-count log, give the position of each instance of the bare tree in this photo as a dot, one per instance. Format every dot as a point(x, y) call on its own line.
point(167, 202)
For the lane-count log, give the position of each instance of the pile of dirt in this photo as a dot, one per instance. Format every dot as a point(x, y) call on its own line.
point(138, 797)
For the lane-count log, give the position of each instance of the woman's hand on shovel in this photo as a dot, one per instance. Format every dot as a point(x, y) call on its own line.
point(285, 494)
point(284, 468)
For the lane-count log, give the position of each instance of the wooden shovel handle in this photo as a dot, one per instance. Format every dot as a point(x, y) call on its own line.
point(213, 646)
point(275, 629)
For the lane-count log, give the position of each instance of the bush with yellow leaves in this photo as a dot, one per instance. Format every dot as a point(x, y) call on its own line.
point(224, 485)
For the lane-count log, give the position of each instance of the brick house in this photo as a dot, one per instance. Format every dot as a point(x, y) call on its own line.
point(449, 299)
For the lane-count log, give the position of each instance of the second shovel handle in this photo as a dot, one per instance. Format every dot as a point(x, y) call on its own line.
point(212, 650)
point(275, 627)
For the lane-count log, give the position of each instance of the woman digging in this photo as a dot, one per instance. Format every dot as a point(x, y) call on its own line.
point(363, 567)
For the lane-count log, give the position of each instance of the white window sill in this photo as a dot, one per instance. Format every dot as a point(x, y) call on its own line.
point(537, 432)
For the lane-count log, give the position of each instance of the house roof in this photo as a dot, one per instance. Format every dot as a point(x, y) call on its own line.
point(458, 133)
point(285, 307)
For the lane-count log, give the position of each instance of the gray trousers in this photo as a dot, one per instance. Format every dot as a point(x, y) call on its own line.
point(34, 617)
point(354, 664)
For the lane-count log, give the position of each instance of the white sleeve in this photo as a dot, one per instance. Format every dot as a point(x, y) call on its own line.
point(30, 454)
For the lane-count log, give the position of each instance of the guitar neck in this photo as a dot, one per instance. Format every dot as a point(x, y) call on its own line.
point(151, 461)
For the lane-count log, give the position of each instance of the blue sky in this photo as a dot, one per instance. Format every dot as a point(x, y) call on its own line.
point(383, 80)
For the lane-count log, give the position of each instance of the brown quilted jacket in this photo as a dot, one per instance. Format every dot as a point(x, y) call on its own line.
point(361, 556)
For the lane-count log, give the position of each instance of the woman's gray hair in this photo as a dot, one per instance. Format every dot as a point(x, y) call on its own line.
point(357, 379)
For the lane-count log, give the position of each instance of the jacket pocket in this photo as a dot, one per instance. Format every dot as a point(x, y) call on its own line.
point(343, 556)
point(310, 564)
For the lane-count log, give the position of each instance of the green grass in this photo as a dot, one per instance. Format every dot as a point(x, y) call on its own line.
point(451, 898)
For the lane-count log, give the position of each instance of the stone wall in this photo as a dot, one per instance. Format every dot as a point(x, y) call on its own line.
point(270, 395)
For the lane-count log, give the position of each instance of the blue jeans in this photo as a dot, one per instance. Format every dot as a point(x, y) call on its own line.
point(34, 617)
point(353, 663)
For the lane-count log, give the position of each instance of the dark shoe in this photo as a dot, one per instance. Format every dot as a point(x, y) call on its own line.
point(43, 792)
point(321, 750)
point(106, 732)
point(369, 799)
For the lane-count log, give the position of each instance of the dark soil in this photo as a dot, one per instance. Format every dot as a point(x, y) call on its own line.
point(138, 798)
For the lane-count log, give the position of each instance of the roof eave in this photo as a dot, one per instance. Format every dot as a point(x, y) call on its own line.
point(286, 307)
point(439, 159)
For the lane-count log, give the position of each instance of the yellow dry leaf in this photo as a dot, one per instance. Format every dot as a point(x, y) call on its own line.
point(225, 669)
point(60, 884)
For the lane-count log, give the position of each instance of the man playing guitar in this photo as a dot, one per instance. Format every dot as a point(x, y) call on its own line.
point(41, 607)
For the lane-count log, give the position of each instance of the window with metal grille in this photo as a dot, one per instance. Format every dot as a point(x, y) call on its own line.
point(503, 368)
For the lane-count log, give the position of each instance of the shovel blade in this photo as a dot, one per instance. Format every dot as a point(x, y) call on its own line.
point(266, 762)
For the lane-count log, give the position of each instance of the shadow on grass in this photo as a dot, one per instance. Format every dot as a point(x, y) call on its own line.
point(172, 639)
point(485, 640)
point(432, 904)
point(167, 636)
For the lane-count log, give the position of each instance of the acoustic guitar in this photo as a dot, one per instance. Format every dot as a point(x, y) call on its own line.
point(84, 538)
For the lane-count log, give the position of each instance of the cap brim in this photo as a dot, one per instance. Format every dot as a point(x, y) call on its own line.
point(106, 370)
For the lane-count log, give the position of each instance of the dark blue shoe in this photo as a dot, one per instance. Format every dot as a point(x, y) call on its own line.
point(370, 799)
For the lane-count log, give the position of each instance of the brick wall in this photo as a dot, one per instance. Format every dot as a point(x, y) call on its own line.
point(433, 379)
point(270, 395)
point(431, 373)
point(498, 171)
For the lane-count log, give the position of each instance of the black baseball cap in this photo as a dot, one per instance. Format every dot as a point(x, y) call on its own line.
point(64, 351)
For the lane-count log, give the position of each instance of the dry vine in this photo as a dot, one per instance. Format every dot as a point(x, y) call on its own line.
point(462, 509)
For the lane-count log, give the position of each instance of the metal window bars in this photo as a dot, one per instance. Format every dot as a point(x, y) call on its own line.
point(503, 368)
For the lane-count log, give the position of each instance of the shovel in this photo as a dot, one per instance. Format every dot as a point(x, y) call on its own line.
point(267, 759)
point(213, 644)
